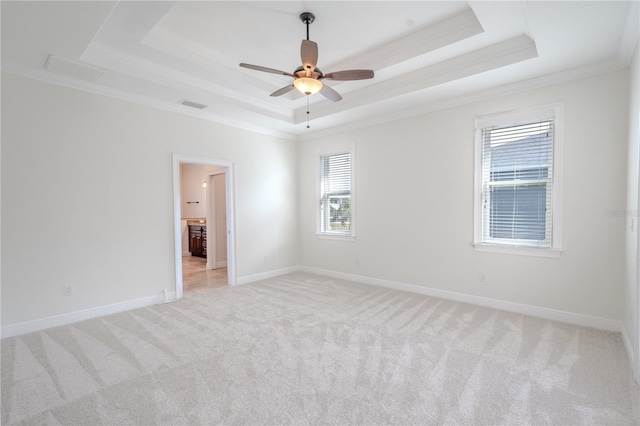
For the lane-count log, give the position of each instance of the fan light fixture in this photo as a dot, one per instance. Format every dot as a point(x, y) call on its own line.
point(307, 85)
point(306, 78)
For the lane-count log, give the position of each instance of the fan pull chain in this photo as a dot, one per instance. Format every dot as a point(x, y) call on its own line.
point(307, 111)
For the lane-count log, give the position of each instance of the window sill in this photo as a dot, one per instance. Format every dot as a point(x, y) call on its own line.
point(518, 250)
point(337, 237)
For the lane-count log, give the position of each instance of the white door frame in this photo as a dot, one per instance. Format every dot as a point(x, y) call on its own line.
point(636, 320)
point(212, 234)
point(177, 219)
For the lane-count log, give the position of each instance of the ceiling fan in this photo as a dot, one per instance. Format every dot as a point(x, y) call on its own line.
point(307, 77)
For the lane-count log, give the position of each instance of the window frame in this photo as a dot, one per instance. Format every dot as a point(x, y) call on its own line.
point(350, 236)
point(554, 112)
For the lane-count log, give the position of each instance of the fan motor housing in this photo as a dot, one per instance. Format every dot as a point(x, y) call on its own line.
point(301, 72)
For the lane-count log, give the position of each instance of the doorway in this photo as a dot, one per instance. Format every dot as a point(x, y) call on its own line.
point(214, 264)
point(204, 225)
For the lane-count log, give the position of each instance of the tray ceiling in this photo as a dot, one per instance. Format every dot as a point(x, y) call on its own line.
point(426, 55)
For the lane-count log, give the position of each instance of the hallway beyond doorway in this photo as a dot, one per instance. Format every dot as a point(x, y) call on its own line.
point(195, 276)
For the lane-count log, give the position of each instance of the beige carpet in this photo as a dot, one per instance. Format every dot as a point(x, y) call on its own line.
point(303, 349)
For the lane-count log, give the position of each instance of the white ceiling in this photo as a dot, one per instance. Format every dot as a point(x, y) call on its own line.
point(426, 54)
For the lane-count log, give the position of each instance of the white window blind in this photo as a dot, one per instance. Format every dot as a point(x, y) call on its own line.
point(335, 194)
point(517, 184)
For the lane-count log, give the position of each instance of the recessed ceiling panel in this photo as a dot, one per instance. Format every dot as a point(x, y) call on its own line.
point(159, 53)
point(270, 32)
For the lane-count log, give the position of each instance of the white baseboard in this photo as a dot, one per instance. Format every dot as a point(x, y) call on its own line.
point(266, 275)
point(631, 354)
point(534, 311)
point(71, 317)
point(222, 264)
point(627, 345)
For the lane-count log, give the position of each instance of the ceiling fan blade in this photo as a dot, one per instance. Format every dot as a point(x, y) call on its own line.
point(309, 54)
point(350, 75)
point(265, 69)
point(285, 89)
point(330, 94)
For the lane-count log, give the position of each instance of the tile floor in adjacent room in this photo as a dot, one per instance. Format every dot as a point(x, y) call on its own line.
point(195, 276)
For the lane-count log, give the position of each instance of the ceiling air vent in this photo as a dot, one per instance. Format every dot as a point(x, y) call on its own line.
point(74, 69)
point(193, 104)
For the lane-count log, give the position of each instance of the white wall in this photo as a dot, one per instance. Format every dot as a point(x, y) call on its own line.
point(87, 201)
point(631, 302)
point(192, 176)
point(87, 198)
point(414, 211)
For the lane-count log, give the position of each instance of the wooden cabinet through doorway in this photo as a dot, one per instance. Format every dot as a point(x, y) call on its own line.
point(198, 240)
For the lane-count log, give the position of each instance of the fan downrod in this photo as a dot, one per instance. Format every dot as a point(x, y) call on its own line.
point(307, 18)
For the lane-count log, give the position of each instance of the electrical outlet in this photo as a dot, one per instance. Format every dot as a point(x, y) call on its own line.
point(482, 278)
point(266, 258)
point(357, 260)
point(67, 290)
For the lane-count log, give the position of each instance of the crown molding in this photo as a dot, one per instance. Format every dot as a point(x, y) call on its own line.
point(486, 59)
point(97, 89)
point(220, 67)
point(307, 135)
point(124, 63)
point(481, 95)
point(437, 35)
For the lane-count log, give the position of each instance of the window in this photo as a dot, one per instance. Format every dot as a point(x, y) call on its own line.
point(336, 198)
point(518, 191)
